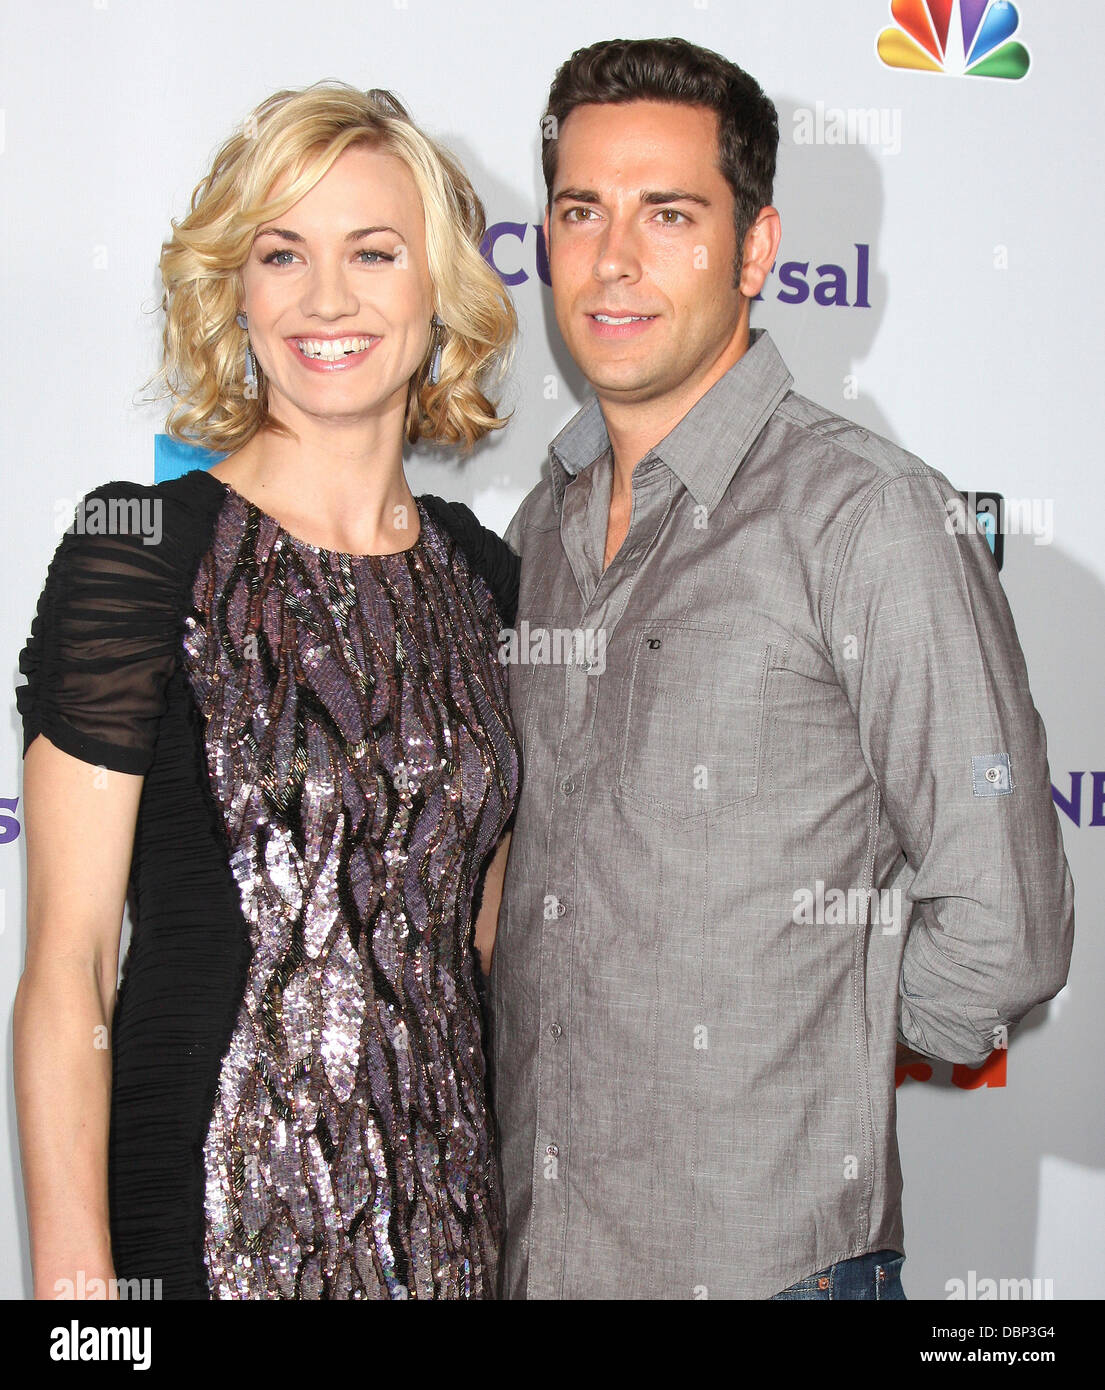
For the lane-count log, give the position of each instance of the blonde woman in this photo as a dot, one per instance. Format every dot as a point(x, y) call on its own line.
point(276, 716)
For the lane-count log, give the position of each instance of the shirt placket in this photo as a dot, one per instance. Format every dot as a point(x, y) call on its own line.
point(605, 596)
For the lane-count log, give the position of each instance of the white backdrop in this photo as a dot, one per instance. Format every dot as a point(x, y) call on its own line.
point(977, 205)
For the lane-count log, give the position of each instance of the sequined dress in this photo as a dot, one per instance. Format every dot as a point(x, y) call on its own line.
point(299, 1104)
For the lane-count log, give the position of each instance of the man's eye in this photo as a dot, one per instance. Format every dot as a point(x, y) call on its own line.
point(585, 215)
point(672, 213)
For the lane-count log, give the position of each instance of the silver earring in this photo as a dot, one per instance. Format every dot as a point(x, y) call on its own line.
point(251, 361)
point(434, 375)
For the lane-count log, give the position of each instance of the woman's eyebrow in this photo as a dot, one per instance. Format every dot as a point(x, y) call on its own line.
point(289, 235)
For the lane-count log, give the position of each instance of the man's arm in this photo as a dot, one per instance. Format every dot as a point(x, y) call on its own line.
point(937, 680)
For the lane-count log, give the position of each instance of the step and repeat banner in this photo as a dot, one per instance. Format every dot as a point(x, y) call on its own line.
point(939, 281)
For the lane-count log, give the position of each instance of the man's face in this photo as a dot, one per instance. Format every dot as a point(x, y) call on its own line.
point(642, 248)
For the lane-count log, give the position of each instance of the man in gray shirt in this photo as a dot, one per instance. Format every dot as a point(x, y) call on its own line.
point(786, 802)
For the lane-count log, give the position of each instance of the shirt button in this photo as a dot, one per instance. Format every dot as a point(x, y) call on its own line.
point(560, 908)
point(556, 1030)
point(568, 786)
point(552, 1150)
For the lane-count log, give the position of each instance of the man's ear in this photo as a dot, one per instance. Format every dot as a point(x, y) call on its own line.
point(761, 246)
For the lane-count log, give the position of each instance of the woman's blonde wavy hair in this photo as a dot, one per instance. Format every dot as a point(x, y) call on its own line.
point(301, 134)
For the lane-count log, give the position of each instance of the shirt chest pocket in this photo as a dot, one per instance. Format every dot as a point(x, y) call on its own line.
point(692, 742)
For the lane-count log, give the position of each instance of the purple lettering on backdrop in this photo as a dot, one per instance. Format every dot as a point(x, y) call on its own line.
point(863, 266)
point(9, 825)
point(793, 276)
point(832, 288)
point(487, 250)
point(1097, 803)
point(1072, 807)
point(542, 256)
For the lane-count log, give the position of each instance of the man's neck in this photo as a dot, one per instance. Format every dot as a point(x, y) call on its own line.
point(635, 427)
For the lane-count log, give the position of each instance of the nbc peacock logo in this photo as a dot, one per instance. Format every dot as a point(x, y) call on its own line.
point(966, 38)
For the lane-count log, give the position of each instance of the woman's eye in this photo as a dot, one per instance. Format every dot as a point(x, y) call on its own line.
point(366, 257)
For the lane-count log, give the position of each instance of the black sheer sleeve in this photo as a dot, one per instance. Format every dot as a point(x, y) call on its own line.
point(104, 638)
point(488, 554)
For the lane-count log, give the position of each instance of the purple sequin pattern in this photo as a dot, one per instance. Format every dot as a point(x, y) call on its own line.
point(359, 743)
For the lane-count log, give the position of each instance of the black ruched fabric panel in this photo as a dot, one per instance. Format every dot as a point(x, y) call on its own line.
point(102, 643)
point(487, 553)
point(182, 985)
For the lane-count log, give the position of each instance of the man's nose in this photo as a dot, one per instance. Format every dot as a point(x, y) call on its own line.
point(618, 255)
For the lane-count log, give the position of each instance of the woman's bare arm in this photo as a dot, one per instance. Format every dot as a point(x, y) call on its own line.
point(79, 823)
point(487, 919)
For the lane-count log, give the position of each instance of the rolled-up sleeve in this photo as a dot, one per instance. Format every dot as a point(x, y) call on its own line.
point(926, 650)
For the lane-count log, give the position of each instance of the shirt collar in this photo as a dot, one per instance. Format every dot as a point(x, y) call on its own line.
point(708, 445)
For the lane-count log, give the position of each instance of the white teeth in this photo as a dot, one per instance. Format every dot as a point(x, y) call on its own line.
point(630, 318)
point(330, 349)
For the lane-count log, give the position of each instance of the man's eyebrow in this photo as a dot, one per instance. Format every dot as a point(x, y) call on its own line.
point(673, 195)
point(577, 195)
point(651, 196)
point(289, 235)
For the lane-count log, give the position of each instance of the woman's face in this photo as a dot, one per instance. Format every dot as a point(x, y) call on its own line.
point(338, 295)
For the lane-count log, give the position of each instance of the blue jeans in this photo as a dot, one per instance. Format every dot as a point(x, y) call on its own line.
point(873, 1276)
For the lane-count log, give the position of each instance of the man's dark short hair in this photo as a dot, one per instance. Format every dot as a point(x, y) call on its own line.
point(622, 70)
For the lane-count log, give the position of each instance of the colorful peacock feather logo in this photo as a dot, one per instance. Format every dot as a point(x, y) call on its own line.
point(927, 38)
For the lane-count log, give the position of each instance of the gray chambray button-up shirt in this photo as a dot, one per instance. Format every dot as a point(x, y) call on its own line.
point(798, 679)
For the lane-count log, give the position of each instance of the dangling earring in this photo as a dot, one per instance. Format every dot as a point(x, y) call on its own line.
point(251, 361)
point(434, 374)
